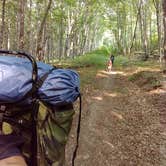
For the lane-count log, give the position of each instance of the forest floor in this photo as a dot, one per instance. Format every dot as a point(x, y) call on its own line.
point(124, 119)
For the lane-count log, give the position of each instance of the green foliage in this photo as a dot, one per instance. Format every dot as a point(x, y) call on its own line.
point(121, 61)
point(96, 58)
point(110, 50)
point(114, 50)
point(80, 26)
point(154, 43)
point(70, 2)
point(105, 49)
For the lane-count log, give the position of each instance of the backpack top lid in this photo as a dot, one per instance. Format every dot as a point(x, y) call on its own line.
point(15, 78)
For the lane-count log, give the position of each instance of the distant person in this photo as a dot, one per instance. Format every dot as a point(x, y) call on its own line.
point(110, 63)
point(112, 59)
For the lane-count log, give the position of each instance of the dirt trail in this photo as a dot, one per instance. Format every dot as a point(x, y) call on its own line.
point(120, 125)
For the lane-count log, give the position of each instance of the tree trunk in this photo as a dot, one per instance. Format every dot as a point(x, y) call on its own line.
point(164, 23)
point(29, 32)
point(39, 49)
point(135, 29)
point(61, 32)
point(143, 29)
point(158, 11)
point(21, 24)
point(145, 37)
point(3, 23)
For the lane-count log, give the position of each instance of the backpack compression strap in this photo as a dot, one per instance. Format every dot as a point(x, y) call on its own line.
point(39, 82)
point(78, 132)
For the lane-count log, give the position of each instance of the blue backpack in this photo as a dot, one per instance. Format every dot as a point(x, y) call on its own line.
point(23, 83)
point(53, 86)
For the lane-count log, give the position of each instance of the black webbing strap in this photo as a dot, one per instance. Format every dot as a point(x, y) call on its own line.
point(78, 132)
point(39, 82)
point(33, 161)
point(37, 85)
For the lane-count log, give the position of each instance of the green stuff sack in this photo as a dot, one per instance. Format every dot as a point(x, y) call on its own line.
point(53, 129)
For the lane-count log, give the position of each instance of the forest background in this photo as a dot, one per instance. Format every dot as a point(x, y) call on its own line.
point(86, 32)
point(60, 29)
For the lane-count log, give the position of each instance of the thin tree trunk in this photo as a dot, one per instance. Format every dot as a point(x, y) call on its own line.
point(61, 31)
point(143, 28)
point(68, 35)
point(164, 23)
point(30, 40)
point(157, 7)
point(39, 49)
point(3, 24)
point(21, 25)
point(150, 33)
point(145, 41)
point(135, 28)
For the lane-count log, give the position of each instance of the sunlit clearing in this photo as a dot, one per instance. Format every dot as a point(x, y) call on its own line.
point(157, 91)
point(147, 69)
point(104, 71)
point(117, 115)
point(110, 94)
point(114, 72)
point(118, 72)
point(97, 98)
point(103, 75)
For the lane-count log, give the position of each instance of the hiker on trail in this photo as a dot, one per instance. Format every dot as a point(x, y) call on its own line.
point(112, 59)
point(110, 63)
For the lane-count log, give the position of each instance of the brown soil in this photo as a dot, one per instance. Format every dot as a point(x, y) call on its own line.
point(121, 124)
